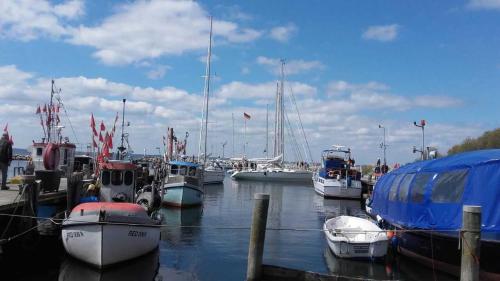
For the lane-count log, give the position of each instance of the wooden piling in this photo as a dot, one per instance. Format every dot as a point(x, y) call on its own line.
point(257, 237)
point(471, 243)
point(73, 191)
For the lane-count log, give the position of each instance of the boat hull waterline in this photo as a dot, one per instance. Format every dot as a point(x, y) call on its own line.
point(336, 189)
point(299, 176)
point(183, 195)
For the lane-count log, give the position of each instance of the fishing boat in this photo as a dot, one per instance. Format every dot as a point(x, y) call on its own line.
point(336, 177)
point(114, 229)
point(428, 197)
point(54, 155)
point(353, 237)
point(184, 185)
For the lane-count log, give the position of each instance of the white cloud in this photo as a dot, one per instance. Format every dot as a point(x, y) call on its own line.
point(383, 33)
point(484, 4)
point(283, 33)
point(150, 29)
point(29, 19)
point(291, 66)
point(158, 72)
point(264, 91)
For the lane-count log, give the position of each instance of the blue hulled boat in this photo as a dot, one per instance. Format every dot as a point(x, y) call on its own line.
point(429, 195)
point(183, 187)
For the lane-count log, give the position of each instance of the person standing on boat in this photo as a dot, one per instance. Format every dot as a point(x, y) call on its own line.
point(5, 158)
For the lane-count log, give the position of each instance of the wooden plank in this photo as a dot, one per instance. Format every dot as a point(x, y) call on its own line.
point(9, 198)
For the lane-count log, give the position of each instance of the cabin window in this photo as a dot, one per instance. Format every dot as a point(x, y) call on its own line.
point(405, 186)
point(418, 187)
point(449, 186)
point(182, 170)
point(128, 178)
point(116, 178)
point(39, 151)
point(65, 161)
point(393, 193)
point(105, 177)
point(192, 171)
point(173, 169)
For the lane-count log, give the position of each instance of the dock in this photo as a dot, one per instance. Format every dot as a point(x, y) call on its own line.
point(11, 198)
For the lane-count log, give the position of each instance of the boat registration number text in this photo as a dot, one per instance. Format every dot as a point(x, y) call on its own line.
point(74, 234)
point(135, 233)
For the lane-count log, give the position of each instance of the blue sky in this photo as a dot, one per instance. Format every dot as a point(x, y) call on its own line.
point(351, 64)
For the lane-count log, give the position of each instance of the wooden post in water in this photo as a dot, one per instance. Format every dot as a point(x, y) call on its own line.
point(73, 191)
point(257, 237)
point(471, 243)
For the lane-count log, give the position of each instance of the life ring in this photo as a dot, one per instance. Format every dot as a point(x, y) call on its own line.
point(51, 156)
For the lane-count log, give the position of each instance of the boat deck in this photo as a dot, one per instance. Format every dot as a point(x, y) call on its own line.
point(9, 198)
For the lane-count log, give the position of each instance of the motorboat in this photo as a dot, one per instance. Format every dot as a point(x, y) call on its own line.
point(213, 173)
point(425, 200)
point(183, 187)
point(353, 237)
point(337, 177)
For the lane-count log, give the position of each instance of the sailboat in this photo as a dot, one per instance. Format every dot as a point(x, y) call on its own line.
point(274, 169)
point(213, 172)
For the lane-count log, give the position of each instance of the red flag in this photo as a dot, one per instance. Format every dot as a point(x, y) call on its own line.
point(110, 141)
point(6, 128)
point(246, 116)
point(100, 137)
point(94, 143)
point(105, 151)
point(422, 123)
point(102, 126)
point(44, 108)
point(92, 121)
point(38, 110)
point(94, 131)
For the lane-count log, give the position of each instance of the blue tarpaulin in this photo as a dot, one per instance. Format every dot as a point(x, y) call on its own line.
point(430, 194)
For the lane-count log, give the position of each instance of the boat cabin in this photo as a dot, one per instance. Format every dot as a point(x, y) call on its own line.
point(117, 181)
point(66, 156)
point(336, 163)
point(81, 160)
point(181, 168)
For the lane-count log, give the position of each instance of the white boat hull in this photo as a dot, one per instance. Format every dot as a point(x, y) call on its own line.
point(213, 176)
point(337, 188)
point(352, 237)
point(280, 175)
point(105, 244)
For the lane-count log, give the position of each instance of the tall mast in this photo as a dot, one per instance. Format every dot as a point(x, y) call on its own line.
point(282, 111)
point(121, 149)
point(206, 94)
point(232, 116)
point(275, 148)
point(267, 130)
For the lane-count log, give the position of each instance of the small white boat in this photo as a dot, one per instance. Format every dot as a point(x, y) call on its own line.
point(106, 233)
point(213, 174)
point(353, 237)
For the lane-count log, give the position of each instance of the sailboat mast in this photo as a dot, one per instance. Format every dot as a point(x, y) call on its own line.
point(206, 94)
point(275, 148)
point(232, 117)
point(282, 111)
point(267, 130)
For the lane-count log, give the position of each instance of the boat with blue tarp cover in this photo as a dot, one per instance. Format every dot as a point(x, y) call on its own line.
point(428, 196)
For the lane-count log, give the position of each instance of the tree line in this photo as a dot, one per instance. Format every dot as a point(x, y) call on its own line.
point(490, 139)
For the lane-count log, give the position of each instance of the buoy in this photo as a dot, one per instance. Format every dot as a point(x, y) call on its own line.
point(51, 156)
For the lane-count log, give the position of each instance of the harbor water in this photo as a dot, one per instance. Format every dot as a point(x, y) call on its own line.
point(211, 242)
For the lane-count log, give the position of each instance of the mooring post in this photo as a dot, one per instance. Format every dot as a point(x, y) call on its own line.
point(471, 243)
point(73, 191)
point(257, 237)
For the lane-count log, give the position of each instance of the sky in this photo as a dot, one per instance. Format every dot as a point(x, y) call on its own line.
point(350, 66)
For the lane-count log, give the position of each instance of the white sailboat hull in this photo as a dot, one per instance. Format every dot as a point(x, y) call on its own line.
point(337, 188)
point(273, 175)
point(213, 176)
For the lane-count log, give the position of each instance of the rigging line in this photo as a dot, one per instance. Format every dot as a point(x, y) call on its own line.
point(58, 97)
point(294, 139)
point(300, 121)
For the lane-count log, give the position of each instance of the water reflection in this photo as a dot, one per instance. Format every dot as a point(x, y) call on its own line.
point(357, 269)
point(334, 208)
point(174, 218)
point(143, 268)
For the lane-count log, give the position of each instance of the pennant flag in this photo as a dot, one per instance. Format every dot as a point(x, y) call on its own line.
point(6, 128)
point(110, 141)
point(94, 143)
point(38, 110)
point(100, 138)
point(92, 121)
point(94, 131)
point(246, 116)
point(44, 108)
point(102, 126)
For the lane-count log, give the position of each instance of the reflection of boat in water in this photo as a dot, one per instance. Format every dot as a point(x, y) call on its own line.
point(356, 269)
point(143, 268)
point(174, 218)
